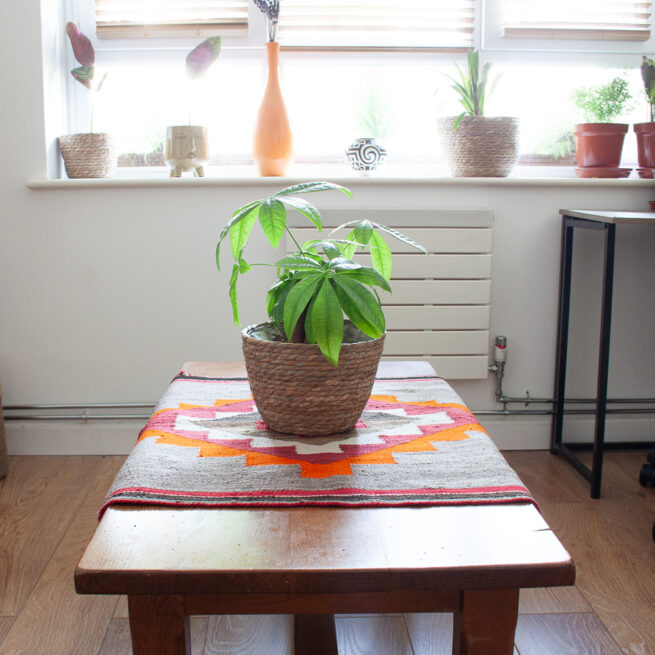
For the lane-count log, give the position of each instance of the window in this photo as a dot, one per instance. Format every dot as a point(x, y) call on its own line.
point(616, 20)
point(378, 24)
point(343, 58)
point(119, 19)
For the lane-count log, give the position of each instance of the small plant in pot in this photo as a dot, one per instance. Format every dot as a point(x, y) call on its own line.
point(646, 131)
point(88, 154)
point(310, 370)
point(187, 146)
point(477, 145)
point(599, 141)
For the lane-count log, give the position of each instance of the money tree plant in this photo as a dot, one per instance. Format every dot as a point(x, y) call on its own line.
point(319, 283)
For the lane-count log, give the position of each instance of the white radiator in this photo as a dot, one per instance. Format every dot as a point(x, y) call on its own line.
point(439, 309)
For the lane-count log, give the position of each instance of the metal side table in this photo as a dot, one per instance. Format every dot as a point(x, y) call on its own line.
point(607, 222)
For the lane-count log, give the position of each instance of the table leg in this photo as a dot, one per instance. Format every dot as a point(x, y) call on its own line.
point(486, 622)
point(315, 634)
point(159, 625)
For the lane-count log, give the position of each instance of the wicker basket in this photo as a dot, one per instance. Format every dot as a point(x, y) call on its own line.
point(297, 391)
point(88, 155)
point(481, 146)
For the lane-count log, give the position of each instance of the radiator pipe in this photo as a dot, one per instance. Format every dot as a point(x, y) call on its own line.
point(498, 369)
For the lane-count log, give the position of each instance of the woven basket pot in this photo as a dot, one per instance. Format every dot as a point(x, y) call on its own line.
point(88, 155)
point(481, 146)
point(297, 391)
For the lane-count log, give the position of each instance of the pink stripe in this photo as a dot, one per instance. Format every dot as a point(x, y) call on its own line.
point(318, 503)
point(331, 492)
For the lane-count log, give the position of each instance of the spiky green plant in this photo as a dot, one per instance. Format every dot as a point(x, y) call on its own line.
point(472, 86)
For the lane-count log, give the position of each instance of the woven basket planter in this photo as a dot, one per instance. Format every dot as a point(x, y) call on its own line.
point(297, 391)
point(481, 146)
point(88, 155)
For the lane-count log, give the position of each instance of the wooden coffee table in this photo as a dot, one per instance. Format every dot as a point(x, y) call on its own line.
point(314, 562)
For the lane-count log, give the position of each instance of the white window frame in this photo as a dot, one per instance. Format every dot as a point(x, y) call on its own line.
point(619, 53)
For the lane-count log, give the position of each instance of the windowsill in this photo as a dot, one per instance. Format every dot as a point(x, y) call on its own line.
point(157, 177)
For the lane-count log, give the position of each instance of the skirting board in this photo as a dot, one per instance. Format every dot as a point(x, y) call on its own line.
point(119, 436)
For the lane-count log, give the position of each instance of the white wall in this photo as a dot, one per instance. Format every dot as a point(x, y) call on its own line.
point(105, 292)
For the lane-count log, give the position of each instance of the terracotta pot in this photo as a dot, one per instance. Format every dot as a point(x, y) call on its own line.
point(645, 144)
point(87, 155)
point(273, 145)
point(599, 144)
point(481, 146)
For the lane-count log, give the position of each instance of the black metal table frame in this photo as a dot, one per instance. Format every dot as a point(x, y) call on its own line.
point(594, 474)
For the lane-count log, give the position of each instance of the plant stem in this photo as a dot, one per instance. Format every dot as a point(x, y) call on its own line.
point(293, 238)
point(93, 105)
point(298, 335)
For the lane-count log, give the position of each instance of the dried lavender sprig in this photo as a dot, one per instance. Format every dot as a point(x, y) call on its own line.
point(271, 8)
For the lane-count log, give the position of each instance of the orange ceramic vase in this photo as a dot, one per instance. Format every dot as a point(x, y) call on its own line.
point(273, 144)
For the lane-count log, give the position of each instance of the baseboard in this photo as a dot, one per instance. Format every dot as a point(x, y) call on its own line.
point(117, 437)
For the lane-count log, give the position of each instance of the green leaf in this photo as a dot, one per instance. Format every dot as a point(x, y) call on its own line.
point(239, 215)
point(343, 264)
point(274, 293)
point(240, 231)
point(298, 263)
point(330, 249)
point(273, 219)
point(297, 300)
point(381, 257)
point(305, 208)
point(366, 275)
point(360, 306)
point(327, 322)
point(233, 293)
point(340, 227)
point(244, 266)
point(277, 311)
point(310, 187)
point(401, 237)
point(363, 231)
point(349, 249)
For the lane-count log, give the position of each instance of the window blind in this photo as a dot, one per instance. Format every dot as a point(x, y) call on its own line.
point(121, 19)
point(377, 24)
point(602, 20)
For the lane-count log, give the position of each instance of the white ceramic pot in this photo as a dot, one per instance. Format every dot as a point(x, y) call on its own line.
point(186, 149)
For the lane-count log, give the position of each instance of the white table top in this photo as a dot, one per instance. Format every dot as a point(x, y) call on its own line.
point(641, 218)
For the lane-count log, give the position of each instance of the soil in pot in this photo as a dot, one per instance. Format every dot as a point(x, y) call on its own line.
point(296, 389)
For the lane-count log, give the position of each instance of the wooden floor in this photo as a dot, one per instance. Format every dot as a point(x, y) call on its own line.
point(48, 511)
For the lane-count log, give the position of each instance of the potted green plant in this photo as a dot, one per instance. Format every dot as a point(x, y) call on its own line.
point(477, 145)
point(310, 371)
point(87, 154)
point(599, 141)
point(187, 146)
point(646, 131)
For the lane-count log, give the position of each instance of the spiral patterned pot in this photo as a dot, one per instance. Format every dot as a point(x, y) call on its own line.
point(365, 154)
